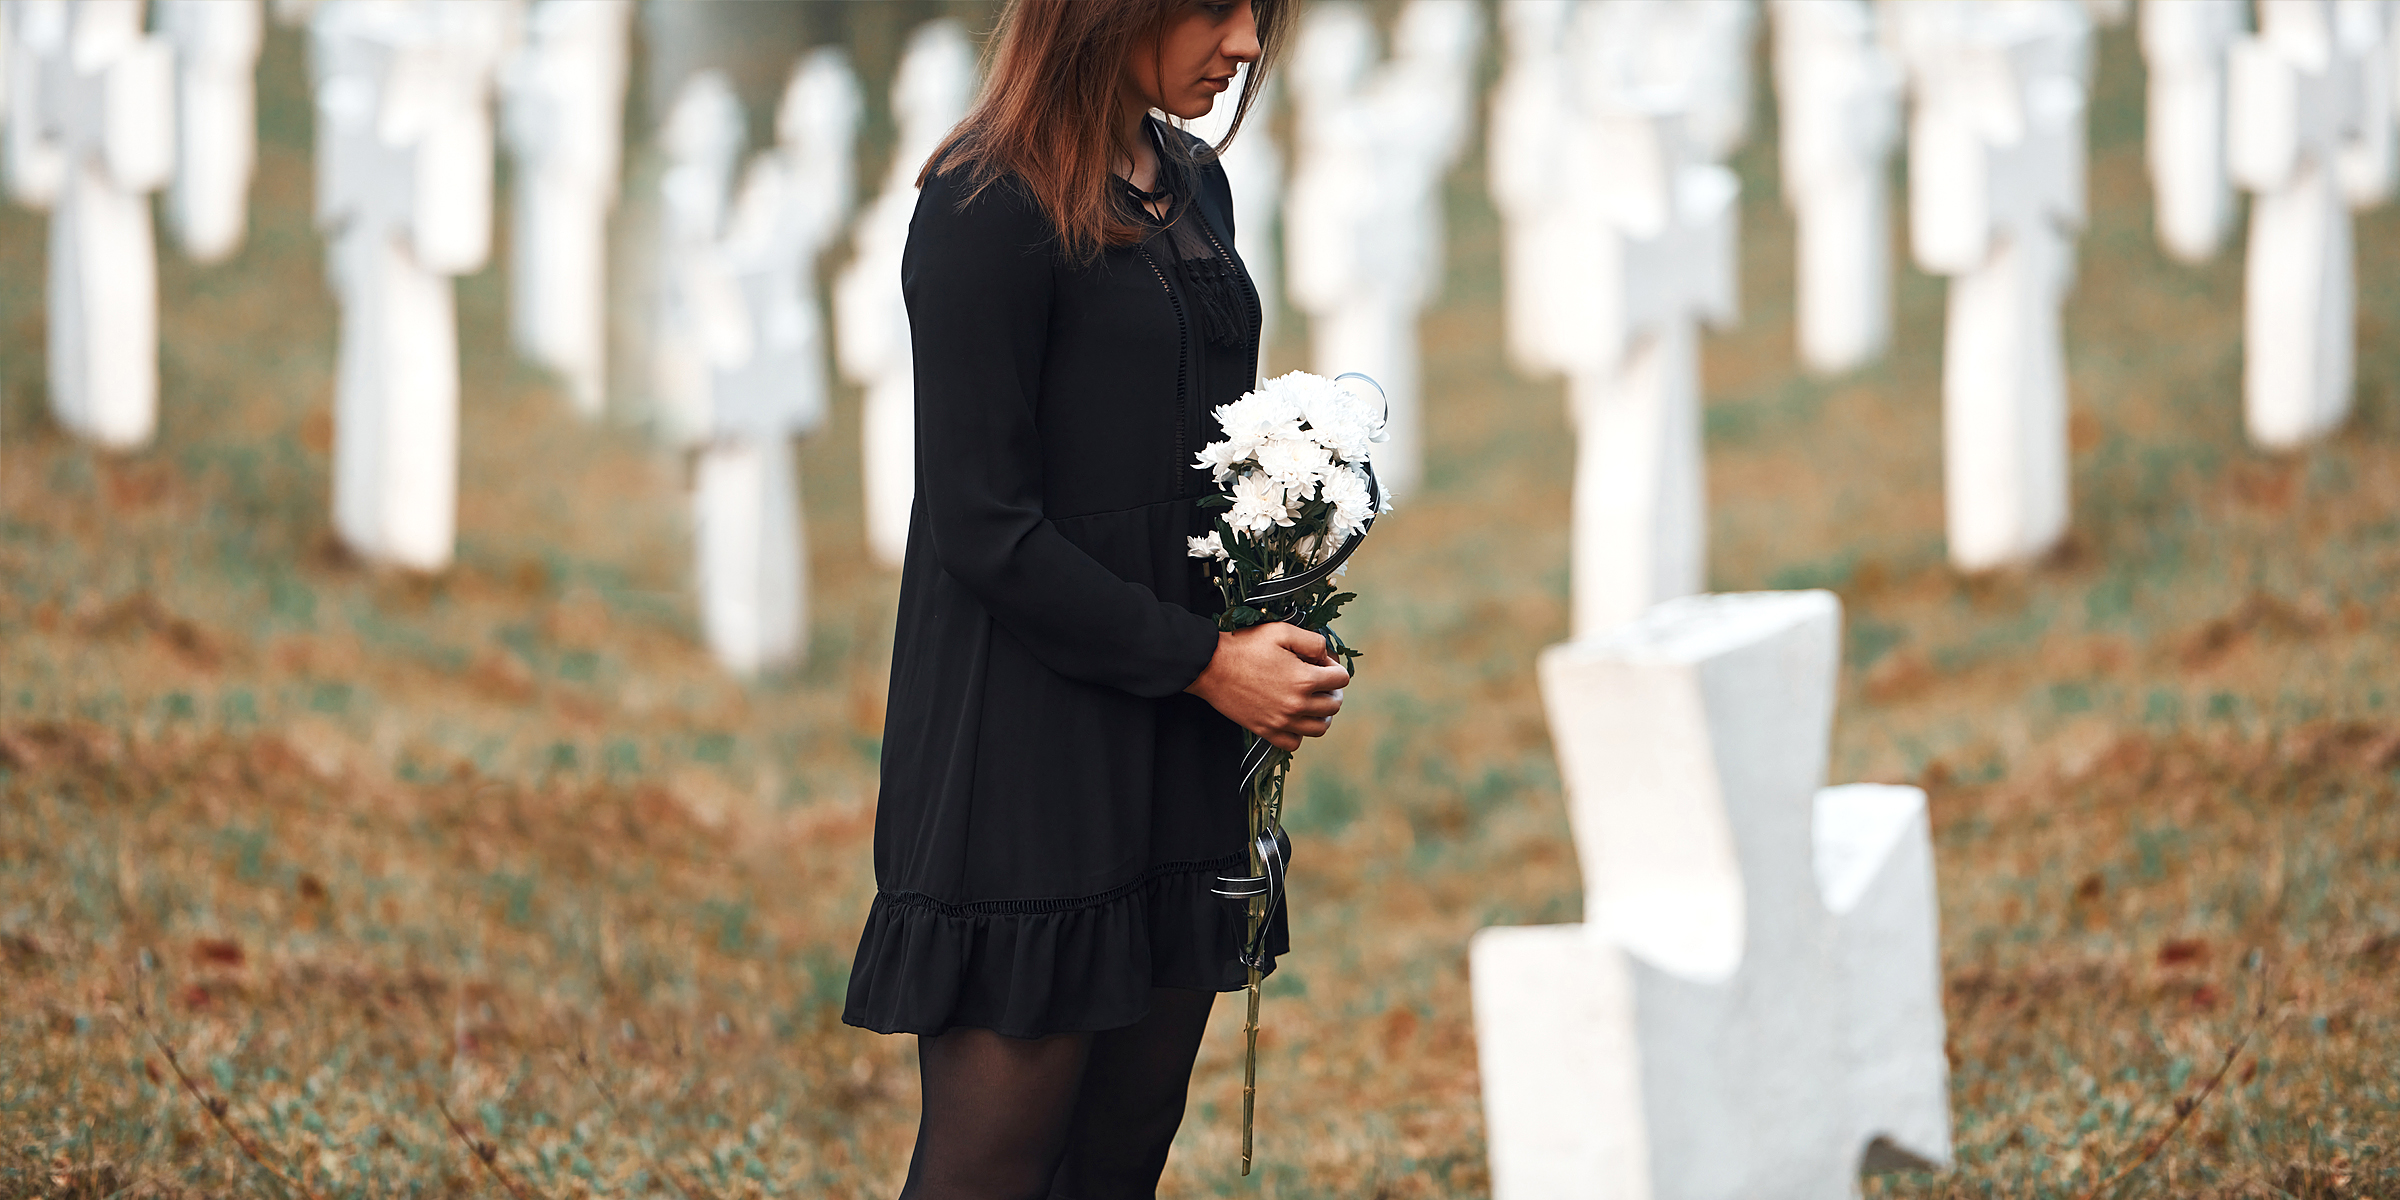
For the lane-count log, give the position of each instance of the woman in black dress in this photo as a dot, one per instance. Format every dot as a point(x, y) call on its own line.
point(1065, 720)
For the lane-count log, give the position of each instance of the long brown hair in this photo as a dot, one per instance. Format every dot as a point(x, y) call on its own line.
point(1048, 110)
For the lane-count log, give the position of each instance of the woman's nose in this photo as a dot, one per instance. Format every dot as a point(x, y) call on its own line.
point(1241, 41)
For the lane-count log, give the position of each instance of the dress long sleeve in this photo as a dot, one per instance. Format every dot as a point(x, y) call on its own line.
point(979, 282)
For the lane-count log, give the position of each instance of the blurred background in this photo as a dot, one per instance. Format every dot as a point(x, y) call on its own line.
point(404, 864)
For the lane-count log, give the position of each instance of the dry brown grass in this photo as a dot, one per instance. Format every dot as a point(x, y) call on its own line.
point(365, 848)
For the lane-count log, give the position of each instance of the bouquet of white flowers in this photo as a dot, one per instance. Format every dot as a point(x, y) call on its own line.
point(1297, 465)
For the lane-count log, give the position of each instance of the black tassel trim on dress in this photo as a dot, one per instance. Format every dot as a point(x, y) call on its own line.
point(1224, 312)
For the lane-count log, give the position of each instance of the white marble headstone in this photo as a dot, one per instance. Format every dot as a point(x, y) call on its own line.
point(564, 110)
point(216, 120)
point(31, 31)
point(1752, 1004)
point(2183, 49)
point(1363, 218)
point(1996, 194)
point(1839, 97)
point(765, 377)
point(700, 316)
point(2309, 104)
point(1534, 113)
point(930, 94)
point(404, 194)
point(1650, 255)
point(101, 116)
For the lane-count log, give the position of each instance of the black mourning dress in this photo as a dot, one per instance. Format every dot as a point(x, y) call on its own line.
point(1055, 807)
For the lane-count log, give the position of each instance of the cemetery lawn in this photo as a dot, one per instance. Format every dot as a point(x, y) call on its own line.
point(362, 850)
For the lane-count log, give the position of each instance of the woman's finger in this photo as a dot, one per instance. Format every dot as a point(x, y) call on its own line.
point(1302, 643)
point(1328, 679)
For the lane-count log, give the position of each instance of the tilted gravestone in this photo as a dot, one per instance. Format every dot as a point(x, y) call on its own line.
point(1752, 1004)
point(216, 120)
point(2309, 112)
point(98, 125)
point(1996, 192)
point(1363, 218)
point(404, 193)
point(2183, 49)
point(563, 112)
point(930, 94)
point(1839, 98)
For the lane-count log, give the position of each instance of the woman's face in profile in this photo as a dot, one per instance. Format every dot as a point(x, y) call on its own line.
point(1193, 61)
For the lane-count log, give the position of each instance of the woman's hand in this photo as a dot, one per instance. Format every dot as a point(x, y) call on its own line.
point(1276, 681)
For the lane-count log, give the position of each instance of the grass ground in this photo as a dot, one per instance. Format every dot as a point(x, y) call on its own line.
point(361, 850)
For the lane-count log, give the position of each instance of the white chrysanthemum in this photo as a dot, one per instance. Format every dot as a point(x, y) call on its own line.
point(1257, 416)
point(1212, 546)
point(1346, 491)
point(1339, 419)
point(1296, 463)
point(1221, 459)
point(1258, 504)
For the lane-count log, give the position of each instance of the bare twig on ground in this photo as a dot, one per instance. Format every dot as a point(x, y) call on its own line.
point(483, 1151)
point(608, 1097)
point(2185, 1106)
point(214, 1106)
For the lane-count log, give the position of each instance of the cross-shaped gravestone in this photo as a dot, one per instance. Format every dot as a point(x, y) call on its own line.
point(794, 201)
point(103, 102)
point(700, 318)
point(1533, 114)
point(1699, 51)
point(1254, 172)
point(404, 192)
point(1839, 98)
point(563, 108)
point(1752, 1004)
point(216, 141)
point(766, 374)
point(30, 32)
point(705, 329)
point(2370, 156)
point(2301, 104)
point(1363, 219)
point(2183, 50)
point(930, 93)
point(1650, 255)
point(1996, 190)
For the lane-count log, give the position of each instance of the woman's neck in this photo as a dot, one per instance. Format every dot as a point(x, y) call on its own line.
point(1141, 158)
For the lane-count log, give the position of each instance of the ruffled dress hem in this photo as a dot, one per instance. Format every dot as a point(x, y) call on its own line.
point(1032, 968)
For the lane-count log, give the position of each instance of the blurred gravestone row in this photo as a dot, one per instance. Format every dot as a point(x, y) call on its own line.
point(1751, 1006)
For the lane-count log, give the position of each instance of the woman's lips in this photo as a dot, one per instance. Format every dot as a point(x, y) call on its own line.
point(1216, 84)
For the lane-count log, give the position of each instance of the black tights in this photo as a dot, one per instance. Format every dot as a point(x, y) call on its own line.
point(1074, 1116)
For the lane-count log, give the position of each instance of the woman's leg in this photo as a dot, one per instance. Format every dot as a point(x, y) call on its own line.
point(997, 1112)
point(1132, 1101)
